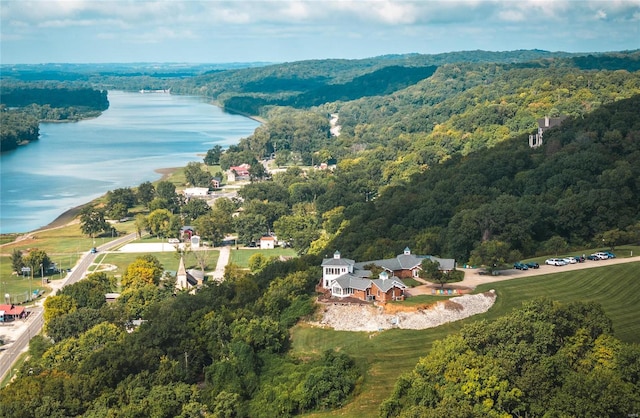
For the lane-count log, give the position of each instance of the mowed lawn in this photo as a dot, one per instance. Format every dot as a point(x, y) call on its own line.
point(386, 355)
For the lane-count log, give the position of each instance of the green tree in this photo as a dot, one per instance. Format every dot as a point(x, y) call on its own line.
point(37, 260)
point(196, 176)
point(257, 262)
point(141, 223)
point(58, 305)
point(492, 254)
point(250, 227)
point(209, 227)
point(146, 192)
point(159, 222)
point(17, 261)
point(556, 244)
point(300, 229)
point(92, 221)
point(144, 270)
point(213, 155)
point(193, 209)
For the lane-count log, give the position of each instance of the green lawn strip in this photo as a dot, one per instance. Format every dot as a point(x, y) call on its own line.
point(386, 355)
point(241, 257)
point(168, 260)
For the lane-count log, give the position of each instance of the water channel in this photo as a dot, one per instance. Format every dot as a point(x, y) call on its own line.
point(73, 163)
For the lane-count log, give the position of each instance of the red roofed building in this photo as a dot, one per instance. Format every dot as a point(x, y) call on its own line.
point(238, 172)
point(11, 312)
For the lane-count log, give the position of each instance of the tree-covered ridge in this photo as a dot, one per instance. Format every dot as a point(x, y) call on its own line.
point(24, 104)
point(581, 183)
point(57, 95)
point(250, 89)
point(544, 359)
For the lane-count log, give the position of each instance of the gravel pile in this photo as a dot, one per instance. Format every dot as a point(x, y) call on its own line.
point(373, 318)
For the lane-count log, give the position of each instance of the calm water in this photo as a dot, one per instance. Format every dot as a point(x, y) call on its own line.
point(73, 163)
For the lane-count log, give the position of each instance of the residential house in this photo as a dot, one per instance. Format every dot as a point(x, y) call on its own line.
point(346, 278)
point(238, 172)
point(383, 289)
point(332, 268)
point(216, 182)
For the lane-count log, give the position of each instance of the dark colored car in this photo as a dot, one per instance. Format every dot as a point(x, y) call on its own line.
point(533, 265)
point(579, 258)
point(520, 266)
point(593, 257)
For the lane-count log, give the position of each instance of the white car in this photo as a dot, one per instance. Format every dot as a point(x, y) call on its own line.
point(555, 262)
point(602, 256)
point(570, 260)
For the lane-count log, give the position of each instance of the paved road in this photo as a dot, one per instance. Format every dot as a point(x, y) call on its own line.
point(19, 338)
point(472, 278)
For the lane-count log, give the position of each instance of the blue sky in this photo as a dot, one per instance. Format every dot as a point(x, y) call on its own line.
point(90, 31)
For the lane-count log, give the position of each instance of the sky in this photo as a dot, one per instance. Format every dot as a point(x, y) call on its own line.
point(216, 31)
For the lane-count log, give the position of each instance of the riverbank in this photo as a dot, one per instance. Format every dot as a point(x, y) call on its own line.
point(70, 215)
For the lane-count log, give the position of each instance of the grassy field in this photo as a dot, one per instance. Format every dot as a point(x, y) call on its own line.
point(241, 256)
point(169, 260)
point(388, 354)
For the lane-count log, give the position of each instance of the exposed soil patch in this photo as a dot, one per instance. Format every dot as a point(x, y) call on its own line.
point(361, 317)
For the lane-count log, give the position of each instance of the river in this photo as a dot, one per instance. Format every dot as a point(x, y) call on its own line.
point(73, 163)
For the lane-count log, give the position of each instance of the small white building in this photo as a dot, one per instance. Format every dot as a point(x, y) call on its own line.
point(196, 192)
point(267, 243)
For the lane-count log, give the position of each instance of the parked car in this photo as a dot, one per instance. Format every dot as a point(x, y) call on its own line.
point(520, 266)
point(602, 255)
point(579, 258)
point(611, 255)
point(593, 257)
point(570, 260)
point(533, 265)
point(555, 262)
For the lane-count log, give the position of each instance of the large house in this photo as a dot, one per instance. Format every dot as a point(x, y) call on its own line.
point(346, 278)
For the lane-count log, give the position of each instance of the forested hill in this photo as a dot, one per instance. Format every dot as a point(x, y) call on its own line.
point(582, 184)
point(308, 83)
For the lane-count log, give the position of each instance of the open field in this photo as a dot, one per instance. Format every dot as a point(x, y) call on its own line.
point(169, 260)
point(388, 354)
point(241, 257)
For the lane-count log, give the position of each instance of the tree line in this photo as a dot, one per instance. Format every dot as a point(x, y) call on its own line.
point(23, 105)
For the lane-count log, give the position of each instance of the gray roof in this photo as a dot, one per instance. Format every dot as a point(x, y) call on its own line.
point(401, 262)
point(348, 281)
point(445, 263)
point(387, 284)
point(337, 262)
point(408, 262)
